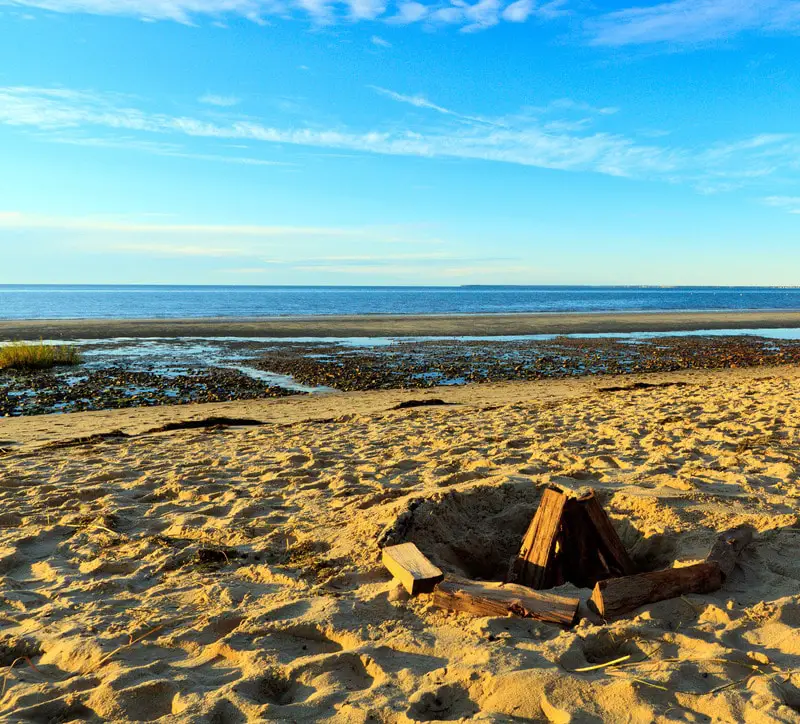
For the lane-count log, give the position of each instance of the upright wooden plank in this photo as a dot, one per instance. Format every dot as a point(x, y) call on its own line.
point(579, 546)
point(616, 557)
point(407, 563)
point(481, 598)
point(535, 563)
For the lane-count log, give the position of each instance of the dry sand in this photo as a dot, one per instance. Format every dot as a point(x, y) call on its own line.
point(388, 325)
point(113, 608)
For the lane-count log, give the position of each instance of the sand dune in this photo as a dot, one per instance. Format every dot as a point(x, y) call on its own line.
point(231, 573)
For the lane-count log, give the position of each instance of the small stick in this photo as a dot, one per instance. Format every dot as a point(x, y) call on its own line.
point(11, 667)
point(601, 666)
point(128, 645)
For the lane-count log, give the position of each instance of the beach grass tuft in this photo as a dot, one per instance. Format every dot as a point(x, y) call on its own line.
point(37, 356)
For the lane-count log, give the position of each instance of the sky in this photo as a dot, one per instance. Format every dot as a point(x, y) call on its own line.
point(399, 142)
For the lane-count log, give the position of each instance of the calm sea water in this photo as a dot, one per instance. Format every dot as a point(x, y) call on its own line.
point(89, 302)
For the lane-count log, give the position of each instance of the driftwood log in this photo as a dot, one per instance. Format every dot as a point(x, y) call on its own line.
point(482, 598)
point(569, 539)
point(616, 596)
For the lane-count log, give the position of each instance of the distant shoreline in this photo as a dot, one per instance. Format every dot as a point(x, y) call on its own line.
point(391, 325)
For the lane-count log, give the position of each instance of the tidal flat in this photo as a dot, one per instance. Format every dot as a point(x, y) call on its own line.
point(143, 372)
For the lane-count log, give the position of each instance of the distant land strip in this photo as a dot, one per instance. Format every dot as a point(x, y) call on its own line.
point(397, 325)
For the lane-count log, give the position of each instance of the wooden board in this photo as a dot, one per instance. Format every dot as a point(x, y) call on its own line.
point(408, 565)
point(481, 598)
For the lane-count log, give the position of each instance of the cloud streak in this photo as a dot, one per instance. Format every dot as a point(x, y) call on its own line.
point(567, 145)
point(791, 204)
point(675, 22)
point(20, 220)
point(60, 110)
point(693, 21)
point(212, 99)
point(469, 16)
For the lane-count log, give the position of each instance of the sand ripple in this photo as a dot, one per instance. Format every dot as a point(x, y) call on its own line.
point(231, 574)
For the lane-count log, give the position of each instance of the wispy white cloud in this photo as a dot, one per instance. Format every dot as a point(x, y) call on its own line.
point(420, 101)
point(212, 99)
point(548, 142)
point(276, 246)
point(409, 12)
point(380, 42)
point(787, 203)
point(518, 11)
point(678, 21)
point(182, 11)
point(171, 150)
point(693, 21)
point(59, 110)
point(469, 16)
point(20, 220)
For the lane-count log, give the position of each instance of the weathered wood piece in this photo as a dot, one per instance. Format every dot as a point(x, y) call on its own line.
point(481, 598)
point(569, 539)
point(616, 596)
point(616, 558)
point(536, 565)
point(407, 563)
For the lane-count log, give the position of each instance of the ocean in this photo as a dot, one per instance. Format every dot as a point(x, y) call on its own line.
point(19, 301)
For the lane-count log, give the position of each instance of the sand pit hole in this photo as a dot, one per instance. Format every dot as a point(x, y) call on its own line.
point(652, 553)
point(472, 533)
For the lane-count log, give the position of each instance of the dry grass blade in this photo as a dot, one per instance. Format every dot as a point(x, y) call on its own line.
point(130, 643)
point(27, 660)
point(644, 682)
point(596, 667)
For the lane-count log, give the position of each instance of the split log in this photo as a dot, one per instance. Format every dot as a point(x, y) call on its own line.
point(481, 598)
point(616, 558)
point(569, 539)
point(407, 563)
point(616, 596)
point(535, 565)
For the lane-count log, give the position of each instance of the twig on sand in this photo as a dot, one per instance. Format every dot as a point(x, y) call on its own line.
point(11, 666)
point(130, 643)
point(616, 667)
point(613, 662)
point(645, 682)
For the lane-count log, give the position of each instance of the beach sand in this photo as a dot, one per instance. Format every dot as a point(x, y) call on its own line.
point(231, 573)
point(405, 325)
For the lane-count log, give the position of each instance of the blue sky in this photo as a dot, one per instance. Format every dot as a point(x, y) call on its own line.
point(384, 142)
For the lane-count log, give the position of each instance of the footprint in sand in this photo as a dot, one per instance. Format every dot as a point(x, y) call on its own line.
point(446, 703)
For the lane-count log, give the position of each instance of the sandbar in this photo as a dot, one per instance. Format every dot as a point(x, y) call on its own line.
point(398, 325)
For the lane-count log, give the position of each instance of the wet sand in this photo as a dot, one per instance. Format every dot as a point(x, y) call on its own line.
point(398, 325)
